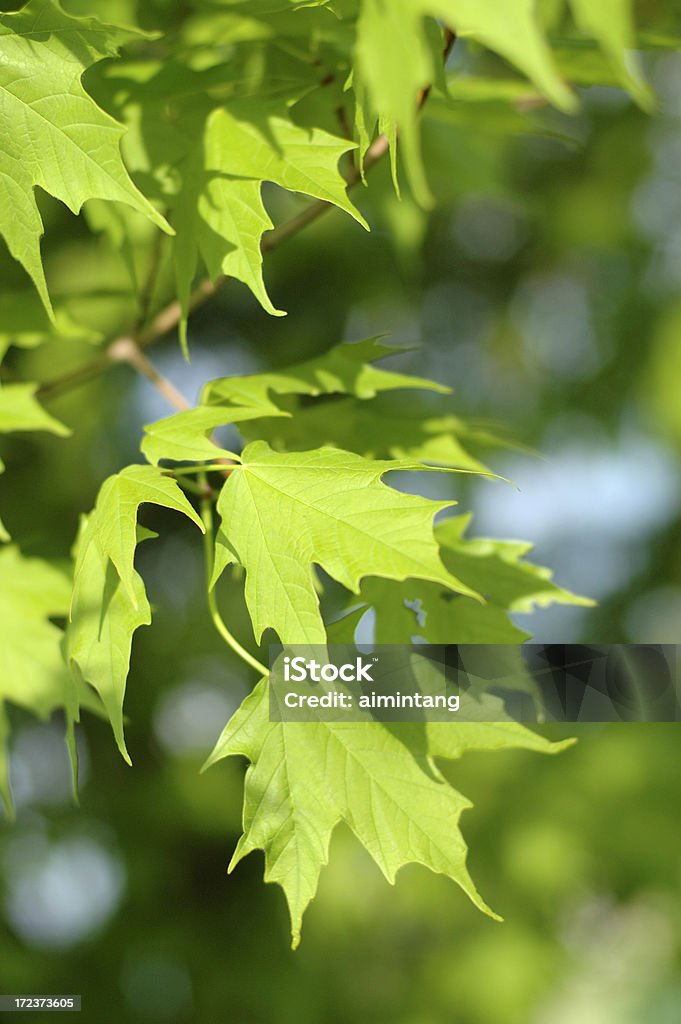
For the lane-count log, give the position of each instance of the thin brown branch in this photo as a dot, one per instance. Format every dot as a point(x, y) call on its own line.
point(169, 317)
point(126, 350)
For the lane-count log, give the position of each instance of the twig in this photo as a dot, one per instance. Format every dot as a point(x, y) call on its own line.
point(126, 350)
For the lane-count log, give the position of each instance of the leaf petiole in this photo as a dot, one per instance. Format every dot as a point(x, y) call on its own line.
point(208, 467)
point(218, 621)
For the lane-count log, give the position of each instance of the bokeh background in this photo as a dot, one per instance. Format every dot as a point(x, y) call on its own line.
point(545, 288)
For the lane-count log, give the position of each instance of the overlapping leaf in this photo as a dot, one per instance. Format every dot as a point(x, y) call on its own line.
point(283, 512)
point(611, 23)
point(375, 430)
point(109, 600)
point(112, 526)
point(344, 369)
point(101, 624)
point(398, 55)
point(220, 214)
point(497, 569)
point(54, 135)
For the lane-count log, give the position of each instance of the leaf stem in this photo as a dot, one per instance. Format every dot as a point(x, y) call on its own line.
point(208, 467)
point(218, 621)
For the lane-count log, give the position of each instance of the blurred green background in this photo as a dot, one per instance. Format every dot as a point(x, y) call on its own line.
point(546, 289)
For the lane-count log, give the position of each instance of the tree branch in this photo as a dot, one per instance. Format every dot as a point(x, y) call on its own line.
point(127, 350)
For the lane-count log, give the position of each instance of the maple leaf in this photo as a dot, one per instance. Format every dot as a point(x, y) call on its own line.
point(306, 777)
point(497, 569)
point(54, 135)
point(611, 23)
point(344, 369)
point(220, 215)
point(283, 512)
point(102, 620)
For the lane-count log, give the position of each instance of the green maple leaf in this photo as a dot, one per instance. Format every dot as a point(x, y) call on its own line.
point(109, 601)
point(101, 624)
point(112, 526)
point(283, 512)
point(306, 777)
point(344, 369)
point(220, 214)
point(54, 135)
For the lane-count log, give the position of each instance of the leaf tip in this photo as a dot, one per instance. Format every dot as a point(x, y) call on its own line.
point(561, 745)
point(120, 743)
point(182, 334)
